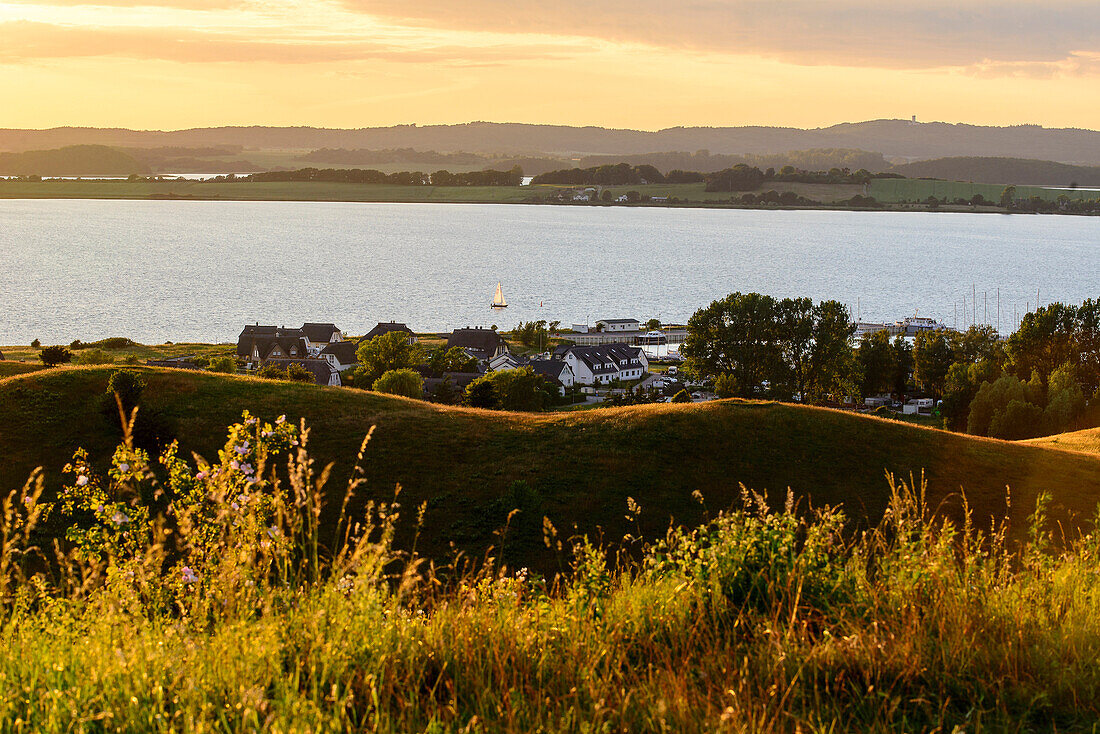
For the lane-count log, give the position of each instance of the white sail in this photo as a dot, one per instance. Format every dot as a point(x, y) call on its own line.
point(498, 298)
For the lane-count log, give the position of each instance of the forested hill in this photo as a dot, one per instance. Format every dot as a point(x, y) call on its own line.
point(73, 160)
point(892, 138)
point(1002, 171)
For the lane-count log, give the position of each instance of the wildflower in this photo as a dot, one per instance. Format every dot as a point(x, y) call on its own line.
point(28, 501)
point(124, 467)
point(246, 468)
point(235, 464)
point(201, 475)
point(244, 499)
point(345, 584)
point(234, 505)
point(251, 421)
point(119, 518)
point(267, 434)
point(242, 449)
point(81, 480)
point(188, 575)
point(281, 419)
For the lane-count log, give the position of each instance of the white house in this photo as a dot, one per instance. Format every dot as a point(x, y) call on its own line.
point(318, 336)
point(505, 361)
point(619, 324)
point(600, 365)
point(340, 355)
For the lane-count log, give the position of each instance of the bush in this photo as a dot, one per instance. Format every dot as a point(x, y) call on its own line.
point(53, 356)
point(225, 365)
point(271, 372)
point(128, 386)
point(36, 344)
point(725, 386)
point(400, 382)
point(519, 389)
point(95, 356)
point(682, 397)
point(114, 342)
point(297, 373)
point(1019, 419)
point(76, 344)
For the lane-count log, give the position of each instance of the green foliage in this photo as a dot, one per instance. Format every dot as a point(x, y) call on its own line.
point(389, 351)
point(94, 356)
point(271, 371)
point(725, 386)
point(932, 359)
point(400, 382)
point(1065, 400)
point(224, 365)
point(877, 364)
point(793, 345)
point(1019, 419)
point(53, 356)
point(520, 389)
point(128, 386)
point(297, 373)
point(455, 359)
point(682, 397)
point(36, 344)
point(532, 333)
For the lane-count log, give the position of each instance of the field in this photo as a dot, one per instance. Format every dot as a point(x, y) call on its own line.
point(577, 468)
point(1087, 441)
point(888, 191)
point(756, 620)
point(140, 351)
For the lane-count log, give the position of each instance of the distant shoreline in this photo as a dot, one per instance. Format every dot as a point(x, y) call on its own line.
point(680, 196)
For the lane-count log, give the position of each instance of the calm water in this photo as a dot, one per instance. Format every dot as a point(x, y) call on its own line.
point(185, 271)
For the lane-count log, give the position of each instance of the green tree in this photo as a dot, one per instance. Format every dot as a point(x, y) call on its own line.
point(736, 336)
point(682, 397)
point(725, 386)
point(1065, 400)
point(877, 362)
point(401, 382)
point(455, 359)
point(55, 355)
point(932, 359)
point(389, 351)
point(1045, 341)
point(95, 356)
point(226, 365)
point(903, 361)
point(128, 386)
point(653, 325)
point(1018, 420)
point(1008, 196)
point(520, 389)
point(36, 344)
point(446, 393)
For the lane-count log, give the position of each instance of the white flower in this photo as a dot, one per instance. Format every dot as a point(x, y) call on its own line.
point(119, 518)
point(234, 505)
point(124, 468)
point(81, 480)
point(188, 575)
point(246, 468)
point(235, 464)
point(242, 449)
point(201, 475)
point(281, 419)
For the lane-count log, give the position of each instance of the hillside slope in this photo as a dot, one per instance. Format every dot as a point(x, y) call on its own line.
point(579, 468)
point(1002, 171)
point(73, 160)
point(1087, 441)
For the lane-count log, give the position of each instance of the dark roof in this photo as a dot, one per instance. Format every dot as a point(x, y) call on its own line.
point(255, 333)
point(318, 332)
point(597, 356)
point(343, 351)
point(321, 369)
point(458, 379)
point(550, 369)
point(385, 327)
point(618, 321)
point(481, 340)
point(285, 343)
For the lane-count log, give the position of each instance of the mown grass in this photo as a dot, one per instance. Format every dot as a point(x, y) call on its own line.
point(756, 621)
point(472, 467)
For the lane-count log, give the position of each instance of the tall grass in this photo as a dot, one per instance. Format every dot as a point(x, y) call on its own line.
point(207, 602)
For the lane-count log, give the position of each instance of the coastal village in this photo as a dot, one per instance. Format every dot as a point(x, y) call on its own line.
point(586, 364)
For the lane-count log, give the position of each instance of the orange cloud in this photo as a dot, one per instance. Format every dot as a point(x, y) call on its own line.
point(26, 40)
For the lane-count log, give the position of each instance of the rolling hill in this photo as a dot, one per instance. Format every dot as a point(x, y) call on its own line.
point(72, 160)
point(1002, 171)
point(472, 467)
point(892, 138)
point(1087, 441)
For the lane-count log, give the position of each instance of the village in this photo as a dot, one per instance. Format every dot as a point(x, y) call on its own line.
point(581, 364)
point(616, 360)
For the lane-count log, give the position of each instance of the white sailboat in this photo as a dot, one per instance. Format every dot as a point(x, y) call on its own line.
point(498, 299)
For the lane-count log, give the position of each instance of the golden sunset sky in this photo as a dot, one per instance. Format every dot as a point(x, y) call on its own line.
point(643, 64)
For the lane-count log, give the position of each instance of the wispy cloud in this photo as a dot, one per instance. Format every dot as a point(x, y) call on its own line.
point(27, 40)
point(926, 34)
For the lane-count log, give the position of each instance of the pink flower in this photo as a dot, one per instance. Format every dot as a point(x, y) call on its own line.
point(81, 480)
point(188, 575)
point(124, 468)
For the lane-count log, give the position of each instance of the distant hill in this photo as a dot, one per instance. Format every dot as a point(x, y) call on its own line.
point(819, 159)
point(471, 467)
point(1002, 171)
point(72, 160)
point(892, 138)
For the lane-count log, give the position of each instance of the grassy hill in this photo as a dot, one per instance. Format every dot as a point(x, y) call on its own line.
point(1087, 441)
point(73, 160)
point(577, 468)
point(1002, 171)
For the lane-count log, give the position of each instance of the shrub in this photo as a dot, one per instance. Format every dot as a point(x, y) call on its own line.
point(128, 386)
point(682, 397)
point(271, 371)
point(53, 356)
point(400, 382)
point(95, 356)
point(725, 386)
point(226, 365)
point(36, 344)
point(1019, 419)
point(114, 342)
point(76, 344)
point(297, 373)
point(519, 389)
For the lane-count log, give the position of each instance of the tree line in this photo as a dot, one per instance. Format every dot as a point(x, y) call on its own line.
point(739, 177)
point(512, 177)
point(1044, 378)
